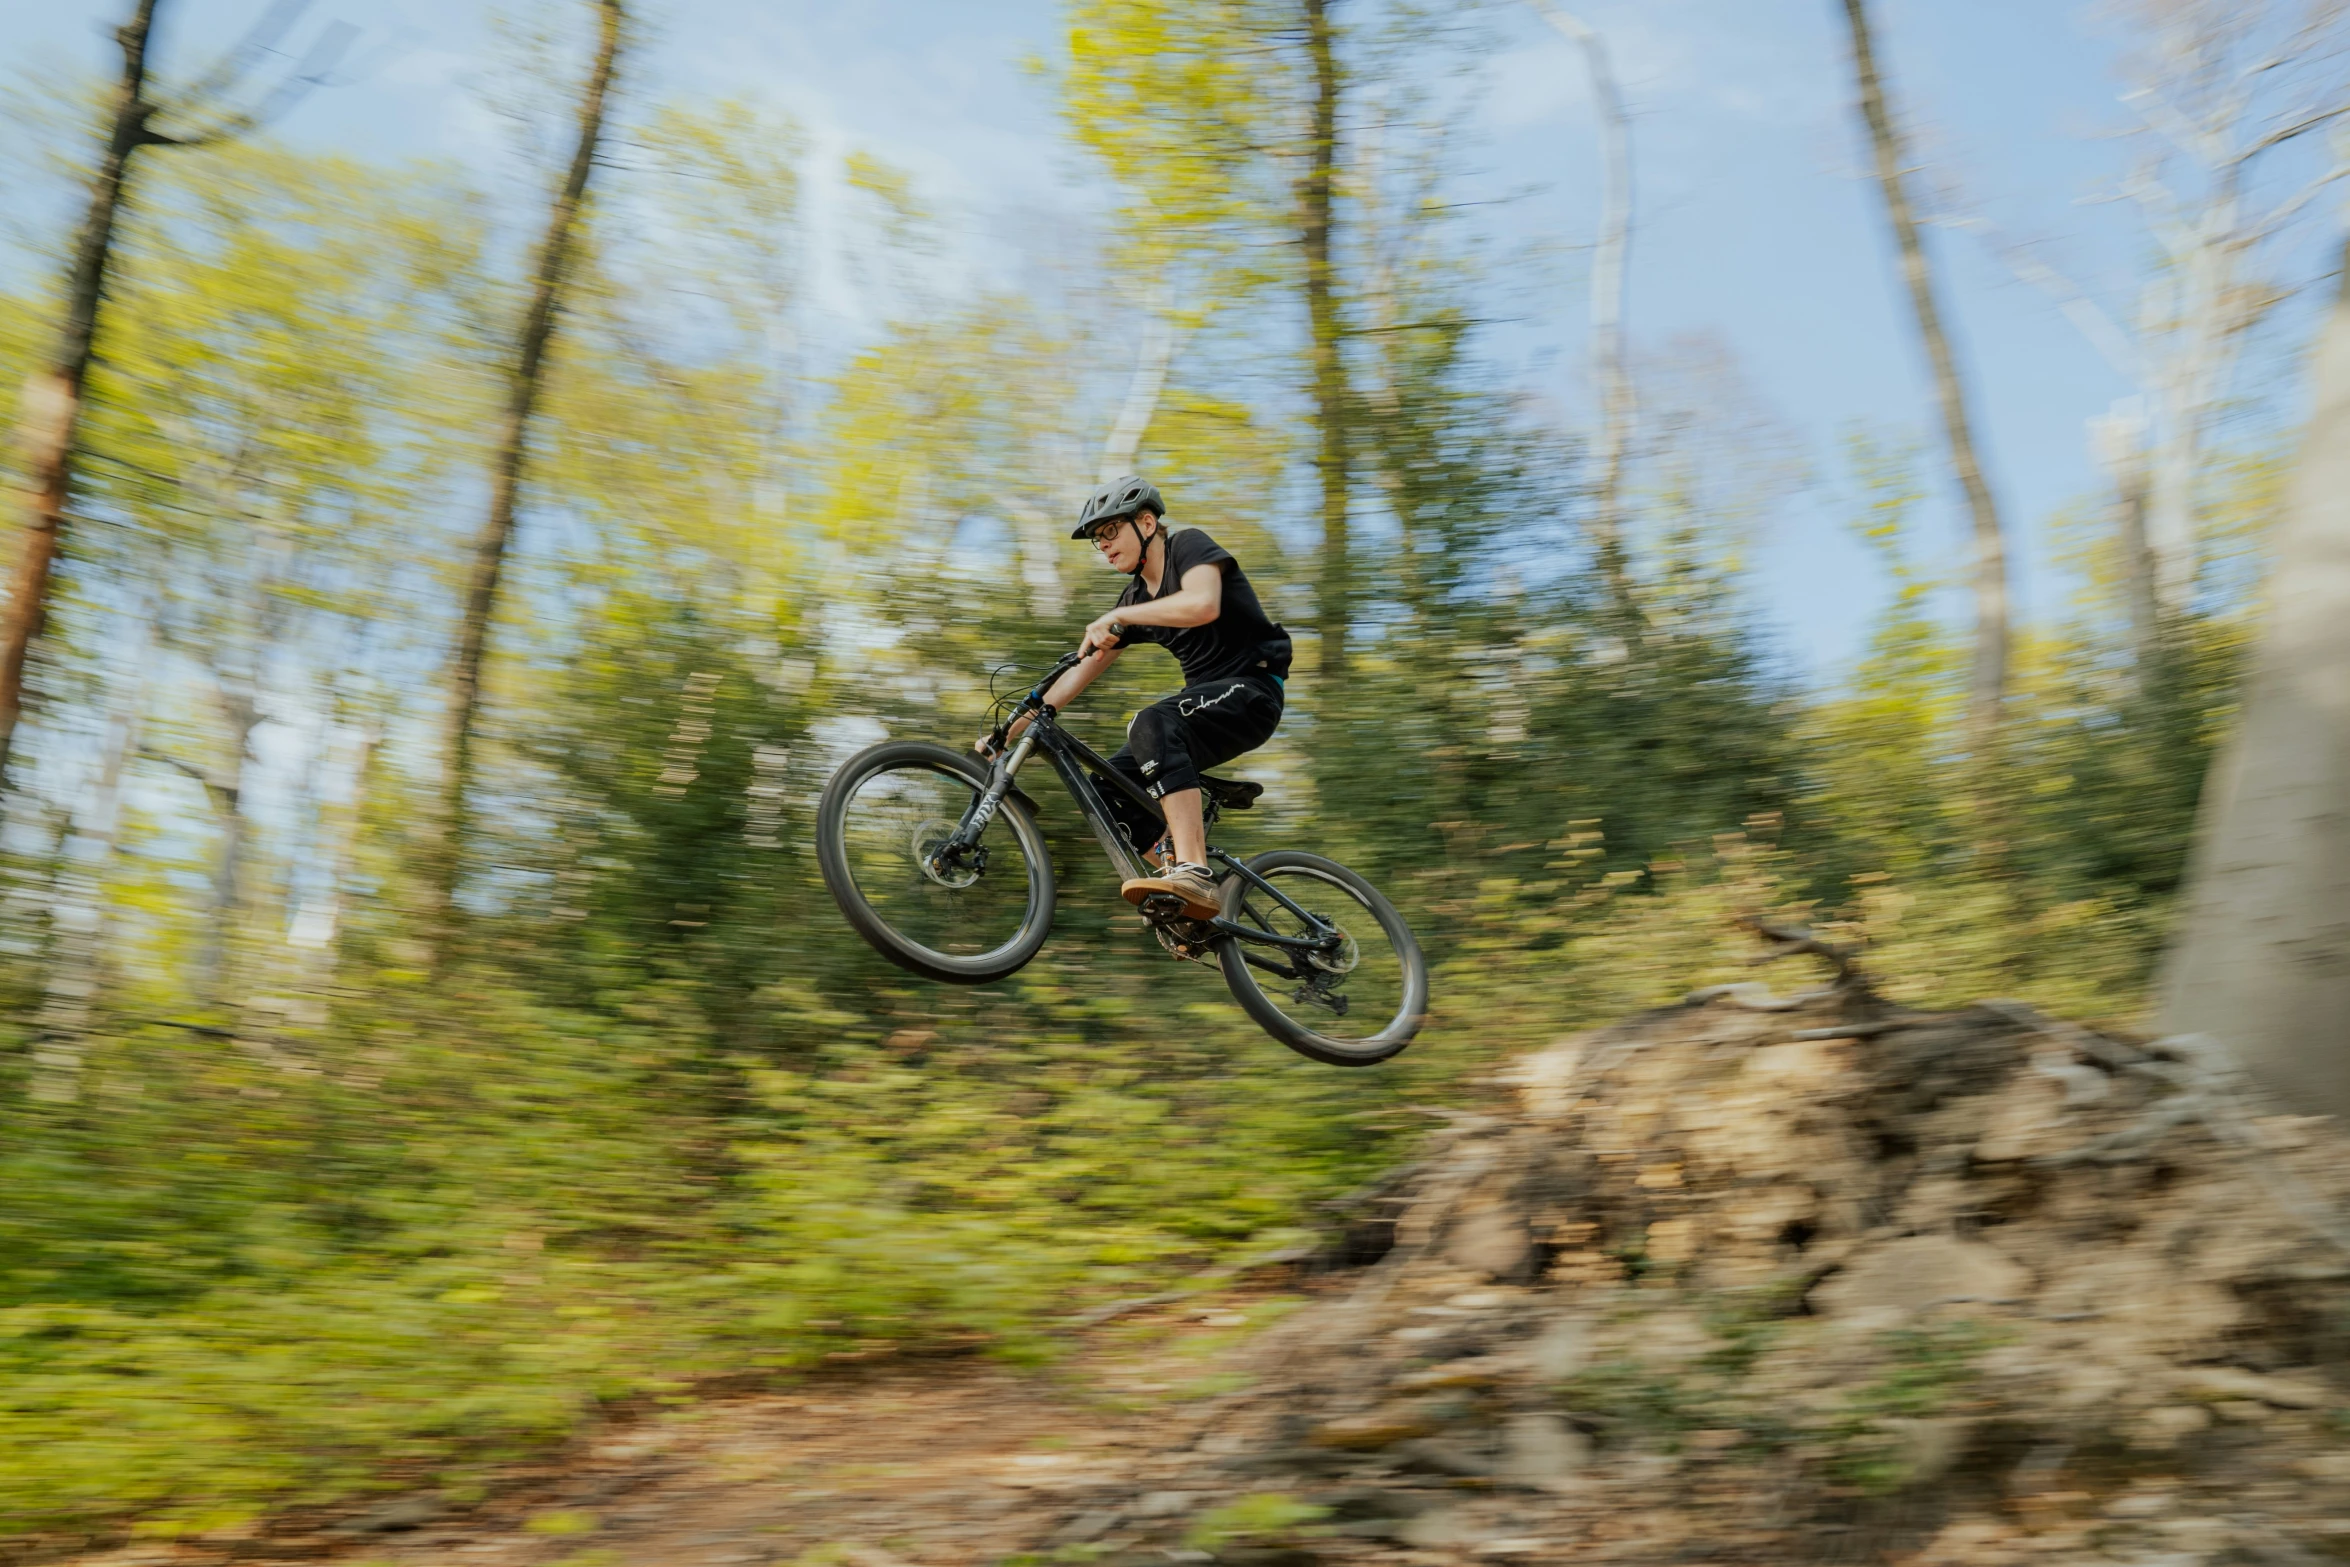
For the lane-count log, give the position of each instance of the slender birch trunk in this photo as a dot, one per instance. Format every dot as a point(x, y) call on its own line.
point(522, 397)
point(51, 423)
point(79, 912)
point(1317, 204)
point(2119, 442)
point(226, 905)
point(1611, 371)
point(2262, 961)
point(1143, 388)
point(1987, 682)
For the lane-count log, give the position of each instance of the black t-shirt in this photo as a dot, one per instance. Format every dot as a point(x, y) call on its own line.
point(1241, 640)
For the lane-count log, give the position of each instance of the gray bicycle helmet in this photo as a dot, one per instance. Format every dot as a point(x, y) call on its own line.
point(1119, 498)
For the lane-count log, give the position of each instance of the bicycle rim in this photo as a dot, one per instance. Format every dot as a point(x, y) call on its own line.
point(1362, 998)
point(892, 820)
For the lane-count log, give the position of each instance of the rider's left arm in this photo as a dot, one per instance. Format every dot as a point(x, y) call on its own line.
point(1200, 600)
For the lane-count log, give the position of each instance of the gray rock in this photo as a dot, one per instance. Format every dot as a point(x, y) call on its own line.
point(1085, 1526)
point(1445, 1528)
point(2167, 1425)
point(2226, 1382)
point(1930, 1448)
point(1166, 1504)
point(1563, 1349)
point(1494, 1242)
point(1898, 1277)
point(1542, 1452)
point(1446, 1456)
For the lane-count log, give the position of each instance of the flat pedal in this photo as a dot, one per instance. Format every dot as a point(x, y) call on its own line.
point(1162, 906)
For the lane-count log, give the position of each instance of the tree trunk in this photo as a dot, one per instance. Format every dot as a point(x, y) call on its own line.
point(1318, 219)
point(2119, 441)
point(2262, 962)
point(489, 548)
point(53, 397)
point(78, 912)
point(225, 907)
point(1143, 388)
point(1987, 682)
point(2138, 578)
point(1611, 372)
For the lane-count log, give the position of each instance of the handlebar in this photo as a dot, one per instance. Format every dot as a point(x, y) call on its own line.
point(1035, 697)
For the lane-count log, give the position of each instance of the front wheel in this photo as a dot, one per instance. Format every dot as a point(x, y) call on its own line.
point(883, 817)
point(1355, 1006)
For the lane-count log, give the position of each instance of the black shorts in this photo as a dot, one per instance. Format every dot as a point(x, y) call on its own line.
point(1175, 739)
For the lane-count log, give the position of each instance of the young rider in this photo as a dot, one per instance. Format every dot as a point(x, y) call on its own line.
point(1190, 596)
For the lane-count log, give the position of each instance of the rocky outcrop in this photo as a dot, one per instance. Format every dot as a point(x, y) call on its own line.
point(1753, 1279)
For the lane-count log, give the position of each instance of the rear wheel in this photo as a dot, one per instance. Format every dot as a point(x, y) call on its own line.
point(1353, 1006)
point(883, 817)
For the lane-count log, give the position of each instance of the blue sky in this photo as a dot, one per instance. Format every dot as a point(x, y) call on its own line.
point(1756, 227)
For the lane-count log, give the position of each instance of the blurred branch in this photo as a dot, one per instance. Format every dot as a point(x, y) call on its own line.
point(2285, 133)
point(223, 797)
point(2094, 321)
point(325, 53)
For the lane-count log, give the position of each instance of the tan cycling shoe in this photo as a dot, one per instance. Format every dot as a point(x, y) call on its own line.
point(1194, 884)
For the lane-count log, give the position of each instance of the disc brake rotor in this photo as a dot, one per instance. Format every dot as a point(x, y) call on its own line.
point(929, 837)
point(1340, 959)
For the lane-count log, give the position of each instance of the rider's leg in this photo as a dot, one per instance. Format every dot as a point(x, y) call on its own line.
point(1170, 741)
point(1186, 826)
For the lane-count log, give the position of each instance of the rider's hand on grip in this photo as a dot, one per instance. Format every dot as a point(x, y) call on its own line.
point(1103, 636)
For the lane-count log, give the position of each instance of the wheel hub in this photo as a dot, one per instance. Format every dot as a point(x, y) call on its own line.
point(929, 839)
point(1338, 959)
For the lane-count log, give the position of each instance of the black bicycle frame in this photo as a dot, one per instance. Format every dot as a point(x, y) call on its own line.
point(1078, 764)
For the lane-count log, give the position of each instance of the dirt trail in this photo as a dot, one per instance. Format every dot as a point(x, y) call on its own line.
point(928, 1463)
point(944, 1465)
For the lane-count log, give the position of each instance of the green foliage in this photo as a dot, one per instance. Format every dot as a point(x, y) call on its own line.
point(1865, 1438)
point(456, 1224)
point(1196, 113)
point(1926, 1370)
point(1250, 1517)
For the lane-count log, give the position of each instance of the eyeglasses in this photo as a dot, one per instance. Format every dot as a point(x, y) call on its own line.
point(1106, 530)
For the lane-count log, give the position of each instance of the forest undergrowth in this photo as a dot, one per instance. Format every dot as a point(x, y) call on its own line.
point(446, 1223)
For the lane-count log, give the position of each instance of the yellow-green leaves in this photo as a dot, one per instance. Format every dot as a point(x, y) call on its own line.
point(1196, 111)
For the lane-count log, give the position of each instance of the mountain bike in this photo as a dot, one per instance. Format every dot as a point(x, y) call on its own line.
point(935, 858)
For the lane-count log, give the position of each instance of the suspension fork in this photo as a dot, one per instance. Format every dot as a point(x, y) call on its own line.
point(965, 838)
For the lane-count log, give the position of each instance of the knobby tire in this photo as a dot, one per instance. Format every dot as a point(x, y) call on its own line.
point(1330, 1050)
point(832, 856)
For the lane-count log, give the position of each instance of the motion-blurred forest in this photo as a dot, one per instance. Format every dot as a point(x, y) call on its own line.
point(394, 1075)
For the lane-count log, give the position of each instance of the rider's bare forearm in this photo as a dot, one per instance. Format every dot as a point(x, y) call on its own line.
point(1068, 688)
point(1191, 607)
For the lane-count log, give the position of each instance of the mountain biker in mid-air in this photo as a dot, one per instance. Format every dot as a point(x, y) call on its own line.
point(1190, 596)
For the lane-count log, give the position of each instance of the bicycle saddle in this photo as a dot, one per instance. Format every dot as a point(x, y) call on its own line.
point(1231, 794)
